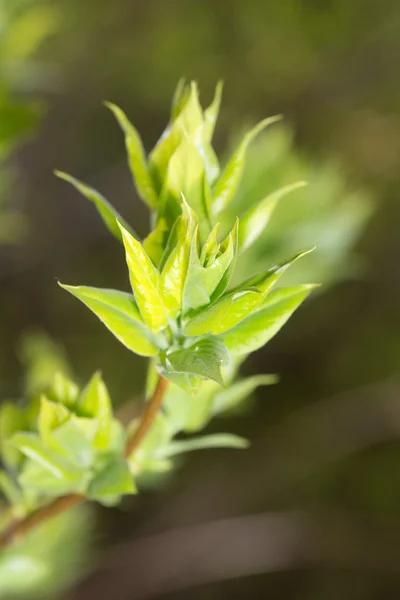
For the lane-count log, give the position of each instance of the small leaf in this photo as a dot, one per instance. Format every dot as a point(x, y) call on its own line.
point(75, 440)
point(136, 158)
point(211, 113)
point(255, 220)
point(207, 279)
point(113, 478)
point(51, 415)
point(235, 394)
point(107, 212)
point(189, 123)
point(218, 440)
point(154, 243)
point(180, 98)
point(9, 488)
point(238, 304)
point(34, 478)
point(226, 186)
point(12, 419)
point(174, 274)
point(94, 401)
point(119, 313)
point(185, 176)
point(255, 331)
point(204, 358)
point(145, 282)
point(63, 390)
point(31, 446)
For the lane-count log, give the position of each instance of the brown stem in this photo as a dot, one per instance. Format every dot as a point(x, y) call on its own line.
point(19, 528)
point(148, 416)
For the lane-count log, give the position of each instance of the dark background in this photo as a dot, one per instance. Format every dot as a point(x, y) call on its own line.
point(325, 454)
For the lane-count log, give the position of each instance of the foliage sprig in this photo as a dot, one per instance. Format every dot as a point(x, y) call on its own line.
point(181, 312)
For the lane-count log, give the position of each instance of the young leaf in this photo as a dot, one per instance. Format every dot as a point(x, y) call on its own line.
point(218, 440)
point(63, 390)
point(31, 446)
point(34, 478)
point(238, 304)
point(119, 313)
point(204, 284)
point(181, 96)
point(95, 403)
point(145, 282)
point(9, 488)
point(136, 158)
point(226, 277)
point(185, 176)
point(189, 122)
point(204, 358)
point(154, 243)
point(235, 394)
point(105, 209)
point(51, 415)
point(12, 419)
point(226, 186)
point(74, 439)
point(112, 478)
point(174, 271)
point(255, 331)
point(211, 113)
point(255, 220)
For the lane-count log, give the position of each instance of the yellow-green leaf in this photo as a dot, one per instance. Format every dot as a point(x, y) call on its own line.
point(119, 313)
point(136, 158)
point(227, 184)
point(145, 282)
point(105, 209)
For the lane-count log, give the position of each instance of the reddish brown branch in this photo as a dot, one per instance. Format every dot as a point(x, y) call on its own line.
point(19, 528)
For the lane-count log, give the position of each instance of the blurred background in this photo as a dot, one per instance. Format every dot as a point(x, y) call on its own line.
point(312, 510)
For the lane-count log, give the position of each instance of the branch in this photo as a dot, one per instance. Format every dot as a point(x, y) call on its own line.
point(23, 526)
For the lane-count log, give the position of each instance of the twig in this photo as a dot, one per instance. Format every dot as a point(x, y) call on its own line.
point(23, 526)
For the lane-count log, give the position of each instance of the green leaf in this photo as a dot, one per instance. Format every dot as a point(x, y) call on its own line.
point(181, 96)
point(154, 243)
point(211, 113)
point(119, 313)
point(209, 274)
point(255, 220)
point(10, 489)
point(75, 440)
point(174, 271)
point(218, 440)
point(63, 390)
point(226, 186)
point(226, 277)
point(238, 304)
point(235, 394)
point(136, 158)
point(145, 282)
point(107, 212)
point(204, 358)
point(255, 331)
point(31, 446)
point(185, 176)
point(95, 402)
point(12, 419)
point(189, 122)
point(35, 478)
point(51, 415)
point(112, 479)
